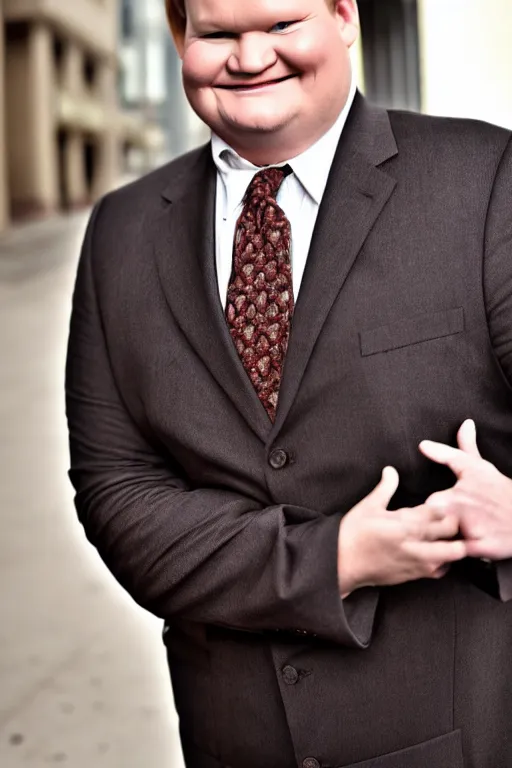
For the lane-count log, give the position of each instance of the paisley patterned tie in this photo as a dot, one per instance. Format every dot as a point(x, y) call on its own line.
point(260, 301)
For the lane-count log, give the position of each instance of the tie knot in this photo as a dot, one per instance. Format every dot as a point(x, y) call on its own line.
point(266, 183)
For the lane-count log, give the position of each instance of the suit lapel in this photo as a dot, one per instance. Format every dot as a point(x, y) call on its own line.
point(356, 193)
point(185, 252)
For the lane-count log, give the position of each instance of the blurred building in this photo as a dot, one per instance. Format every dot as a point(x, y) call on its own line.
point(64, 134)
point(150, 81)
point(446, 57)
point(390, 48)
point(60, 98)
point(65, 64)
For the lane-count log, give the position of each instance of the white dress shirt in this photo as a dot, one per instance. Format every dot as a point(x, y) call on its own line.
point(299, 196)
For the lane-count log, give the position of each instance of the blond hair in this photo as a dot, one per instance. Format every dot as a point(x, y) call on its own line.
point(177, 17)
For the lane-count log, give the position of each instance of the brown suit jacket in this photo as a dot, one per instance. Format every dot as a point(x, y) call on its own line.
point(226, 525)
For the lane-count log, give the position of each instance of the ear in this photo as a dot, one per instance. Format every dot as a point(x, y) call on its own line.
point(348, 20)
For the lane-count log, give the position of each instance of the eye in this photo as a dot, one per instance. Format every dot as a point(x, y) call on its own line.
point(218, 36)
point(282, 26)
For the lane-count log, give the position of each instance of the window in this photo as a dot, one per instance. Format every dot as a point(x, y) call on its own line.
point(127, 20)
point(131, 76)
point(155, 70)
point(391, 52)
point(89, 71)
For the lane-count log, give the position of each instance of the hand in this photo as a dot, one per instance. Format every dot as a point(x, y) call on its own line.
point(481, 498)
point(379, 547)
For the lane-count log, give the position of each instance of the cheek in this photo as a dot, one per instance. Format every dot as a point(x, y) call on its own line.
point(202, 64)
point(312, 52)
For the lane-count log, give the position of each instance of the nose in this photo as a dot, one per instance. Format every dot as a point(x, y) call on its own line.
point(253, 54)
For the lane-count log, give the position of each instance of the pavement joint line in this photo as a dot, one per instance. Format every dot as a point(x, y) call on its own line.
point(45, 682)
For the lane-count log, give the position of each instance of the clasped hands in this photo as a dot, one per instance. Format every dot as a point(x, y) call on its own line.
point(378, 547)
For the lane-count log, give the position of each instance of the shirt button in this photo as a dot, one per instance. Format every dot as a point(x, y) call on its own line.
point(290, 675)
point(311, 762)
point(278, 458)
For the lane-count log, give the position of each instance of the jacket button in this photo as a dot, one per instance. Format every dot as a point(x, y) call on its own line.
point(311, 762)
point(290, 675)
point(278, 458)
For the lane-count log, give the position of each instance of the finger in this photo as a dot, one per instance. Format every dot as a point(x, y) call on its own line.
point(429, 527)
point(441, 572)
point(453, 458)
point(449, 503)
point(439, 502)
point(466, 438)
point(482, 548)
point(386, 489)
point(475, 547)
point(438, 551)
point(416, 521)
point(424, 513)
point(442, 529)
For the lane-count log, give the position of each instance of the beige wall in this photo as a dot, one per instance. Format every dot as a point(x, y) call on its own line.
point(18, 115)
point(30, 123)
point(72, 74)
point(466, 55)
point(108, 139)
point(92, 21)
point(43, 103)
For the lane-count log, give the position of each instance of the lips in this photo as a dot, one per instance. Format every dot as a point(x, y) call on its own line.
point(255, 86)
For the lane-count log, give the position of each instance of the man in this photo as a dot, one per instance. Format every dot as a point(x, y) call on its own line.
point(258, 330)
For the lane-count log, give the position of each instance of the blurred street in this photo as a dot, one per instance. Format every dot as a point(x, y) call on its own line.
point(84, 679)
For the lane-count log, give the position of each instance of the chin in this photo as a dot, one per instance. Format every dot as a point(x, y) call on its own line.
point(257, 127)
point(256, 123)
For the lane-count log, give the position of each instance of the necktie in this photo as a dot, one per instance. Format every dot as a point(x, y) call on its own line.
point(260, 301)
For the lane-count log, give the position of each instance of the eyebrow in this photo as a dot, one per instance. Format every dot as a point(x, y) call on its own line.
point(206, 24)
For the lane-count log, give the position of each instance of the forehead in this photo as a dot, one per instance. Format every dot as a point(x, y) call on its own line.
point(248, 12)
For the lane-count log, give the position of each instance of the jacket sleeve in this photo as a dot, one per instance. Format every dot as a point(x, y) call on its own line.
point(498, 297)
point(204, 555)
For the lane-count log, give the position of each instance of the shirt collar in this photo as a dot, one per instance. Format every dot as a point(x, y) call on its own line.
point(311, 167)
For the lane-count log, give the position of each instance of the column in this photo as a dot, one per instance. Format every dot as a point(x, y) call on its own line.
point(73, 85)
point(108, 164)
point(466, 59)
point(74, 169)
point(72, 70)
point(109, 151)
point(42, 94)
point(33, 163)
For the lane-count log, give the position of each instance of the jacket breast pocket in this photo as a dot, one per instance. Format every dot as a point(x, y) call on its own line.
point(412, 330)
point(442, 752)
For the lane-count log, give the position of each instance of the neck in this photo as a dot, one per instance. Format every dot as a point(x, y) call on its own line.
point(262, 148)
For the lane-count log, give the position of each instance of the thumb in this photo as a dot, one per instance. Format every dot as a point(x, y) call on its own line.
point(385, 490)
point(466, 438)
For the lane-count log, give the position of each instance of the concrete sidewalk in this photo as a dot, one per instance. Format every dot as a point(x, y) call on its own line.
point(83, 679)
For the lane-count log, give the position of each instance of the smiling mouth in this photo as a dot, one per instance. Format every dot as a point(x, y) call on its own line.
point(255, 86)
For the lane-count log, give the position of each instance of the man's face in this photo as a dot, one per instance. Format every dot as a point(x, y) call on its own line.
point(275, 72)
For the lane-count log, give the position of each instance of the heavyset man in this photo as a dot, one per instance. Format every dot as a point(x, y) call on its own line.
point(260, 329)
